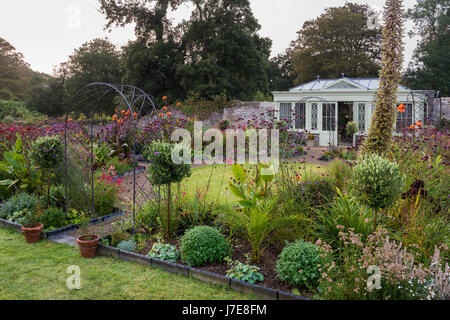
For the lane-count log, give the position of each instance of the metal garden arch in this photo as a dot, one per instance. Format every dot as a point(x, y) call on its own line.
point(79, 139)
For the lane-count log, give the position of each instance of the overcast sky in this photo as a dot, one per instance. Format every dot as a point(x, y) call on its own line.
point(47, 31)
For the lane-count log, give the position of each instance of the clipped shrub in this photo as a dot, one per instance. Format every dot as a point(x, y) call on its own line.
point(53, 218)
point(202, 245)
point(127, 245)
point(376, 182)
point(165, 252)
point(47, 152)
point(18, 202)
point(298, 264)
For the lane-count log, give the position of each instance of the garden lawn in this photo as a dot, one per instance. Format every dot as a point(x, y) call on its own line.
point(218, 176)
point(38, 271)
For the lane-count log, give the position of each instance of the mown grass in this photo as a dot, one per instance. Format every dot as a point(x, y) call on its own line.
point(39, 271)
point(216, 178)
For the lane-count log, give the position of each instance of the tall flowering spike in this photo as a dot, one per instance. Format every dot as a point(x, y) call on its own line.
point(380, 136)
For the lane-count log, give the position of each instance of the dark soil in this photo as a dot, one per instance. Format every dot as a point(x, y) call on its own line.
point(242, 248)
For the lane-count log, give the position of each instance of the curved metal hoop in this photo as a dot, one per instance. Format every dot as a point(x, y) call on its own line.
point(79, 137)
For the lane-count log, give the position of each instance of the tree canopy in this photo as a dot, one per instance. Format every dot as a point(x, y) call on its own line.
point(429, 68)
point(338, 41)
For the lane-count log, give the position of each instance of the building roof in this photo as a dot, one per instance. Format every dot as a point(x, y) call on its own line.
point(341, 84)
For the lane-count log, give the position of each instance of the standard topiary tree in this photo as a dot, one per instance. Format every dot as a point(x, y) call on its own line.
point(163, 171)
point(202, 245)
point(48, 154)
point(298, 264)
point(376, 183)
point(381, 130)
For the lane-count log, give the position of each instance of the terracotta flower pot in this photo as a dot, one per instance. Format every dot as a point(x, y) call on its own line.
point(88, 245)
point(32, 232)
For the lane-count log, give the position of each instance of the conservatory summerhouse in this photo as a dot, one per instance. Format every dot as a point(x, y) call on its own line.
point(324, 107)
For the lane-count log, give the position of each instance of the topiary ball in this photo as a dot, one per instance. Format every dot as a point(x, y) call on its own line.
point(298, 264)
point(48, 152)
point(376, 182)
point(203, 245)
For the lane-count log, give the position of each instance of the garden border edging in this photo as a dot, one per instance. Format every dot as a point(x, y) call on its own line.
point(49, 234)
point(203, 276)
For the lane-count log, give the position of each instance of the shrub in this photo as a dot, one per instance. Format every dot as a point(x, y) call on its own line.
point(202, 245)
point(343, 212)
point(48, 152)
point(53, 218)
point(57, 196)
point(127, 245)
point(298, 264)
point(243, 272)
point(165, 252)
point(315, 192)
point(340, 173)
point(16, 203)
point(101, 154)
point(119, 236)
point(120, 166)
point(377, 183)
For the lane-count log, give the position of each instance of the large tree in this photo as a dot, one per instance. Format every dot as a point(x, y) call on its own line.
point(216, 51)
point(281, 72)
point(224, 52)
point(380, 136)
point(95, 61)
point(15, 74)
point(430, 67)
point(338, 41)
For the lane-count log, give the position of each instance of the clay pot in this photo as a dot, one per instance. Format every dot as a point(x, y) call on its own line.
point(32, 232)
point(88, 245)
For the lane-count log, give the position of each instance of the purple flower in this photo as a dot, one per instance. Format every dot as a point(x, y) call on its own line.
point(156, 153)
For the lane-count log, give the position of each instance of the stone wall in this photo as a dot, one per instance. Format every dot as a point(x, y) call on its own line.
point(245, 111)
point(441, 109)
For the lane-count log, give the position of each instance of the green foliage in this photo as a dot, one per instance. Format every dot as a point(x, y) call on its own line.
point(57, 196)
point(48, 152)
point(258, 217)
point(345, 213)
point(381, 130)
point(337, 41)
point(351, 128)
point(16, 77)
point(53, 218)
point(19, 202)
point(102, 153)
point(197, 212)
point(203, 245)
point(21, 175)
point(120, 166)
point(298, 264)
point(340, 173)
point(426, 71)
point(127, 245)
point(377, 182)
point(106, 197)
point(119, 236)
point(165, 252)
point(15, 111)
point(162, 169)
point(244, 272)
point(316, 191)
